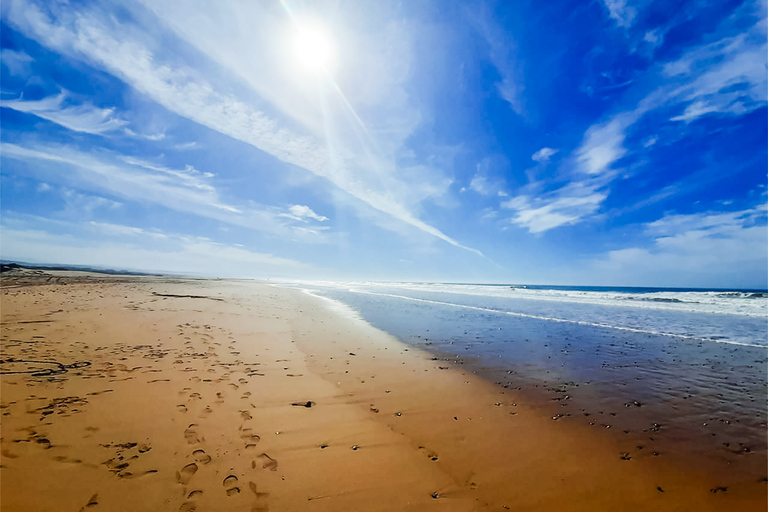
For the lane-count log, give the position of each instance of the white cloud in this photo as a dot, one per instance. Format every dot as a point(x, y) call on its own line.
point(709, 224)
point(727, 77)
point(86, 203)
point(169, 188)
point(481, 185)
point(81, 118)
point(704, 249)
point(122, 231)
point(654, 37)
point(17, 62)
point(183, 92)
point(565, 206)
point(153, 137)
point(488, 178)
point(38, 240)
point(187, 145)
point(302, 212)
point(603, 144)
point(503, 56)
point(619, 11)
point(588, 181)
point(511, 88)
point(188, 177)
point(181, 190)
point(543, 155)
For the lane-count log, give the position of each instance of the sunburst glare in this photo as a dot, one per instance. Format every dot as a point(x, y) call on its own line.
point(314, 48)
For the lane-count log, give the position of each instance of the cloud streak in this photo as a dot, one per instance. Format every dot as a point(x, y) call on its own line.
point(690, 249)
point(186, 190)
point(182, 92)
point(83, 118)
point(726, 78)
point(116, 246)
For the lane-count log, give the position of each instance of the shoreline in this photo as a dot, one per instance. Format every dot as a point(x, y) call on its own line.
point(239, 395)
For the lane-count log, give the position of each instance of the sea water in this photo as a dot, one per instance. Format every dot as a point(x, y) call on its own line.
point(725, 316)
point(691, 363)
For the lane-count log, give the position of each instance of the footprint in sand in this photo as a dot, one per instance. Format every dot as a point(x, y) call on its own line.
point(186, 473)
point(201, 456)
point(181, 408)
point(246, 415)
point(251, 439)
point(190, 434)
point(91, 502)
point(267, 462)
point(130, 475)
point(60, 458)
point(230, 485)
point(429, 453)
point(190, 506)
point(252, 486)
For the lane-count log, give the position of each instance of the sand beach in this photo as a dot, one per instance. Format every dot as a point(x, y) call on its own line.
point(142, 393)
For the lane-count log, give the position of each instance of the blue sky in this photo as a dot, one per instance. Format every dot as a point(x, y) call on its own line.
point(606, 142)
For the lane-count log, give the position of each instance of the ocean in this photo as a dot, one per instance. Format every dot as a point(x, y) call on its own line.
point(687, 368)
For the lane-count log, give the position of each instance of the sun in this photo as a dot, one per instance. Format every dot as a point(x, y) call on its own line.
point(313, 48)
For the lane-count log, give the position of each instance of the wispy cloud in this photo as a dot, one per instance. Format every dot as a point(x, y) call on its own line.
point(503, 56)
point(304, 213)
point(163, 186)
point(81, 118)
point(482, 185)
point(99, 244)
point(543, 155)
point(186, 146)
point(727, 77)
point(86, 203)
point(621, 12)
point(153, 136)
point(603, 144)
point(185, 190)
point(188, 177)
point(699, 248)
point(587, 175)
point(183, 92)
point(565, 206)
point(488, 179)
point(17, 62)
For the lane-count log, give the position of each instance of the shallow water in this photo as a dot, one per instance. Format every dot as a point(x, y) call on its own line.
point(674, 381)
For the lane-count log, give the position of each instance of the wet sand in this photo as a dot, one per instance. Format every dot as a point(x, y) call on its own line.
point(148, 393)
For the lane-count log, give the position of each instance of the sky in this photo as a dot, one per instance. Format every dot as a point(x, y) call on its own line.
point(604, 142)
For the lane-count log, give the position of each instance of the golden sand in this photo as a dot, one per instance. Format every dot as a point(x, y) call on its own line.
point(150, 394)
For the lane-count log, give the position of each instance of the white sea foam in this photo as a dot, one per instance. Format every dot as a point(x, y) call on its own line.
point(563, 320)
point(711, 302)
point(736, 318)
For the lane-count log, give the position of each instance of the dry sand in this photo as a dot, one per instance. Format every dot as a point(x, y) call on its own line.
point(149, 394)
